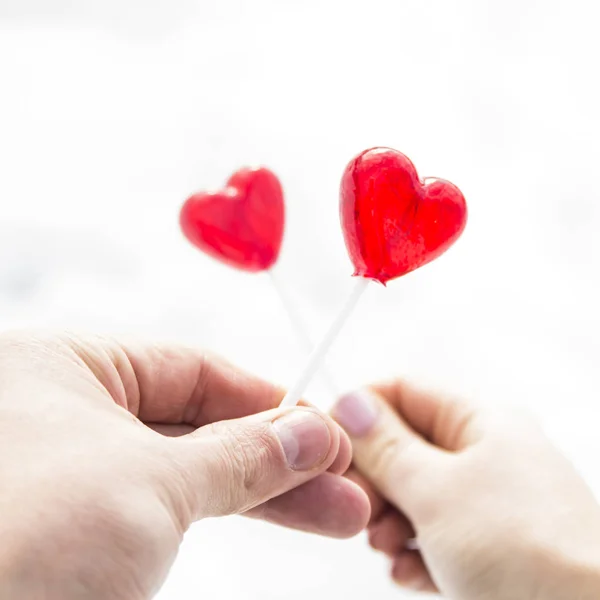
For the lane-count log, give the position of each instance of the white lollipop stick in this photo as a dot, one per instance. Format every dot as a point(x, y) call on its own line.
point(318, 354)
point(299, 327)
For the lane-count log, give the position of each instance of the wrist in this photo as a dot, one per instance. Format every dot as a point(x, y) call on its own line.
point(565, 573)
point(13, 579)
point(26, 569)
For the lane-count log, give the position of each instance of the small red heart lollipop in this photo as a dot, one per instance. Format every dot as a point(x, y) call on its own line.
point(241, 225)
point(392, 222)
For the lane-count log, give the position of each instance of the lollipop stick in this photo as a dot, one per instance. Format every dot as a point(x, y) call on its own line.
point(318, 354)
point(299, 326)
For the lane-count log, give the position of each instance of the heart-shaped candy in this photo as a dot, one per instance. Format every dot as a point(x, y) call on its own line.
point(393, 223)
point(241, 225)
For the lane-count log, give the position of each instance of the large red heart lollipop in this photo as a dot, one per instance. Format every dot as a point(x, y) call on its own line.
point(392, 222)
point(241, 225)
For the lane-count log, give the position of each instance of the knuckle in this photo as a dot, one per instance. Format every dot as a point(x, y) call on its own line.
point(395, 466)
point(382, 456)
point(246, 460)
point(452, 423)
point(394, 458)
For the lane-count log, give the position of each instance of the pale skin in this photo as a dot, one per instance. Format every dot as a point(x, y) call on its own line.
point(97, 491)
point(110, 450)
point(498, 512)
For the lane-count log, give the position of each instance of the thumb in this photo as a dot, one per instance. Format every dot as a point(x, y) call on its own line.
point(388, 452)
point(232, 466)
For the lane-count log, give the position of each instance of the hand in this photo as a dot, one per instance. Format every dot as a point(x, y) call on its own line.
point(96, 490)
point(498, 513)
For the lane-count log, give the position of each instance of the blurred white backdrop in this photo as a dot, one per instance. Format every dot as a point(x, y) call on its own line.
point(112, 112)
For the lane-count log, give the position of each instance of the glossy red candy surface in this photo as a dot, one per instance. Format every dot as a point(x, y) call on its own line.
point(393, 223)
point(241, 225)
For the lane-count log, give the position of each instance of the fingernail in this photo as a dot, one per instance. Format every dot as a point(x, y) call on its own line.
point(304, 437)
point(356, 413)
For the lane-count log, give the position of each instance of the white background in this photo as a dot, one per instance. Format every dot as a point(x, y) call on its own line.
point(113, 112)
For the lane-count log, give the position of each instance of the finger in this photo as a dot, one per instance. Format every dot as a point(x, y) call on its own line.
point(232, 466)
point(343, 459)
point(180, 385)
point(387, 451)
point(166, 383)
point(447, 422)
point(390, 533)
point(184, 385)
point(377, 502)
point(409, 571)
point(329, 505)
point(339, 466)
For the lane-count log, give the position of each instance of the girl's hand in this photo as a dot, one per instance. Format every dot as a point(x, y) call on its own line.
point(497, 511)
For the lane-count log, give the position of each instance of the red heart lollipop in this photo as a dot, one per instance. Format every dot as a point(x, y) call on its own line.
point(392, 222)
point(241, 225)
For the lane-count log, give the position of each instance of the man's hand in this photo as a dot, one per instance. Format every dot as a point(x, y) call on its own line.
point(109, 451)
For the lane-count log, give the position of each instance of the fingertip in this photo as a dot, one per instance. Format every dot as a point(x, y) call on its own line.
point(390, 533)
point(376, 501)
point(409, 571)
point(328, 505)
point(309, 439)
point(343, 458)
point(357, 412)
point(359, 506)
